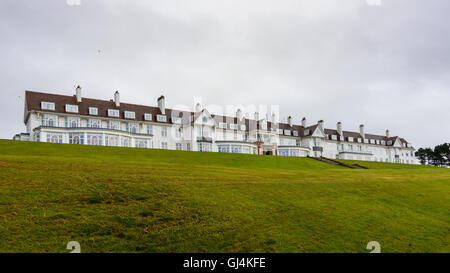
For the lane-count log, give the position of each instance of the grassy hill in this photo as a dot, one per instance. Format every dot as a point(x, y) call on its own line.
point(143, 200)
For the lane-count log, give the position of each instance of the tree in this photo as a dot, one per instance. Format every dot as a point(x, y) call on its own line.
point(422, 155)
point(442, 154)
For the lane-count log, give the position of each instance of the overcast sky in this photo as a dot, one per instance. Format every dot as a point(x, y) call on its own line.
point(386, 66)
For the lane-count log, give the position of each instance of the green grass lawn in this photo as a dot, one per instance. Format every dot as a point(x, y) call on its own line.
point(143, 200)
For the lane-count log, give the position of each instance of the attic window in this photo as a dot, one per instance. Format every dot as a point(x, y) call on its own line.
point(383, 142)
point(93, 111)
point(113, 113)
point(306, 132)
point(48, 106)
point(350, 139)
point(334, 137)
point(264, 126)
point(389, 142)
point(71, 108)
point(176, 120)
point(243, 127)
point(222, 125)
point(295, 133)
point(130, 115)
point(287, 132)
point(148, 117)
point(161, 118)
point(280, 131)
point(233, 126)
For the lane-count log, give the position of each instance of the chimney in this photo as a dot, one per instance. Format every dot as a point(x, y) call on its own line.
point(117, 99)
point(290, 121)
point(162, 105)
point(361, 131)
point(339, 128)
point(320, 124)
point(304, 122)
point(198, 107)
point(239, 114)
point(274, 118)
point(256, 116)
point(388, 134)
point(78, 94)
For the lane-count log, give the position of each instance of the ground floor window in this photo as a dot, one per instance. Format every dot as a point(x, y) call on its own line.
point(204, 147)
point(94, 139)
point(224, 149)
point(283, 152)
point(38, 137)
point(126, 142)
point(179, 147)
point(188, 146)
point(141, 143)
point(164, 145)
point(76, 138)
point(54, 138)
point(111, 140)
point(236, 149)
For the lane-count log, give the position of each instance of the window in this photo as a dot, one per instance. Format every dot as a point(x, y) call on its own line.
point(164, 131)
point(48, 106)
point(164, 145)
point(111, 140)
point(131, 115)
point(223, 149)
point(133, 128)
point(72, 122)
point(222, 125)
point(113, 113)
point(38, 137)
point(141, 143)
point(114, 125)
point(50, 121)
point(178, 147)
point(350, 139)
point(93, 111)
point(243, 127)
point(333, 137)
point(235, 136)
point(125, 142)
point(149, 129)
point(71, 108)
point(188, 146)
point(366, 140)
point(236, 149)
point(280, 131)
point(204, 147)
point(95, 123)
point(94, 139)
point(359, 140)
point(383, 142)
point(54, 138)
point(287, 132)
point(306, 132)
point(148, 117)
point(264, 126)
point(224, 135)
point(176, 120)
point(295, 133)
point(161, 118)
point(389, 142)
point(233, 126)
point(372, 141)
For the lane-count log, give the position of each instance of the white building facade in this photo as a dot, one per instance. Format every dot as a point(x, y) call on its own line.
point(78, 120)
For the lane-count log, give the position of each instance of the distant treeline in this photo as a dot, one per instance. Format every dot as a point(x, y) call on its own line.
point(439, 156)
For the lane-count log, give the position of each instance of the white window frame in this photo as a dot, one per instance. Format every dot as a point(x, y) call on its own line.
point(222, 125)
point(161, 118)
point(113, 113)
point(287, 132)
point(280, 131)
point(243, 127)
point(91, 121)
point(163, 131)
point(295, 133)
point(176, 120)
point(45, 105)
point(130, 115)
point(264, 126)
point(71, 108)
point(114, 122)
point(148, 117)
point(93, 111)
point(233, 126)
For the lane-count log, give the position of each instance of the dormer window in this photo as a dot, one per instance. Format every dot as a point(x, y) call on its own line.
point(389, 142)
point(48, 106)
point(359, 140)
point(264, 126)
point(113, 113)
point(383, 142)
point(280, 131)
point(372, 141)
point(93, 111)
point(350, 139)
point(71, 108)
point(161, 118)
point(222, 125)
point(306, 132)
point(233, 126)
point(287, 132)
point(148, 117)
point(130, 115)
point(295, 133)
point(176, 120)
point(334, 137)
point(243, 127)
